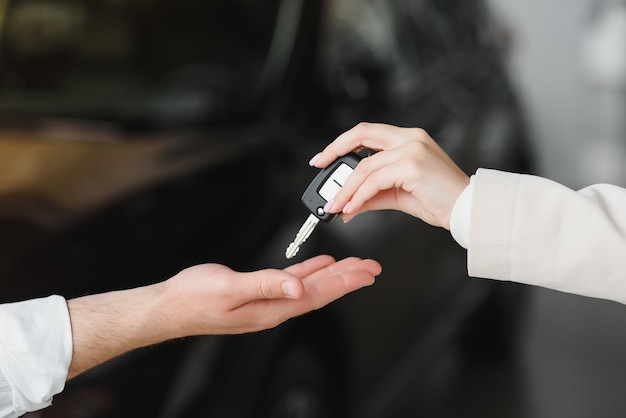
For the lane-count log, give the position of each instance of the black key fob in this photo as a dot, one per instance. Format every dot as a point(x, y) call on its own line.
point(327, 183)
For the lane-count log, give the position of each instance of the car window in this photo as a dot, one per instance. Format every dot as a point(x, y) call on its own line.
point(134, 61)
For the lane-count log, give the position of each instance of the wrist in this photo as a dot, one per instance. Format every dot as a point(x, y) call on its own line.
point(159, 311)
point(460, 216)
point(109, 324)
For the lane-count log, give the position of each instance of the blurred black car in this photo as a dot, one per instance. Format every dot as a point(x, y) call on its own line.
point(140, 137)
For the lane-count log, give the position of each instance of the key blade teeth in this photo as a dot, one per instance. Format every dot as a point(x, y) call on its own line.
point(302, 235)
point(292, 250)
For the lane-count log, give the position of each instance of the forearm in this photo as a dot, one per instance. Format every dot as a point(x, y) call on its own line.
point(109, 324)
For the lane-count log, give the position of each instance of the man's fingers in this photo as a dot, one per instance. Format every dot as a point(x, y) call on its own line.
point(342, 266)
point(321, 287)
point(325, 288)
point(267, 284)
point(274, 284)
point(309, 266)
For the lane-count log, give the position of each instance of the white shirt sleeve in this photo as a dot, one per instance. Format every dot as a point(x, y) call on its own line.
point(35, 353)
point(460, 216)
point(532, 230)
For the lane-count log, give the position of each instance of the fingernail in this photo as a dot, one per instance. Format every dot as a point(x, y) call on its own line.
point(288, 289)
point(328, 206)
point(346, 208)
point(315, 158)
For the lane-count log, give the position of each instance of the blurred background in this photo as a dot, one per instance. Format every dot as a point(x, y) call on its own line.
point(568, 63)
point(123, 122)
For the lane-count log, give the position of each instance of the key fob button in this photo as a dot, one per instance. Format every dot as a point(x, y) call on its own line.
point(327, 184)
point(336, 180)
point(329, 190)
point(341, 173)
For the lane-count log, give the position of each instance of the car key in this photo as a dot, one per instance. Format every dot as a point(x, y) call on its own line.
point(322, 189)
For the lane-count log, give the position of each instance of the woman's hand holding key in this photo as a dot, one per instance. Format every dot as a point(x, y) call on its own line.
point(411, 173)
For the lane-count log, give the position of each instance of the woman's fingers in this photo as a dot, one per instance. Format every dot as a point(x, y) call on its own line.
point(374, 174)
point(376, 136)
point(410, 172)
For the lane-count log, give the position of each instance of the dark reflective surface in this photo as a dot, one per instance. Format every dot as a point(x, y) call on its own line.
point(182, 137)
point(568, 362)
point(135, 62)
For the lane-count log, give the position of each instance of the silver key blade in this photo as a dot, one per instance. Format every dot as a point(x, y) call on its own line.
point(305, 231)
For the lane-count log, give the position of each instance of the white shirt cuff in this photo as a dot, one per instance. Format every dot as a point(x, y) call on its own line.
point(460, 216)
point(35, 353)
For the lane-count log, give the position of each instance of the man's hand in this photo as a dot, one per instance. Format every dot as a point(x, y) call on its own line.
point(213, 299)
point(207, 299)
